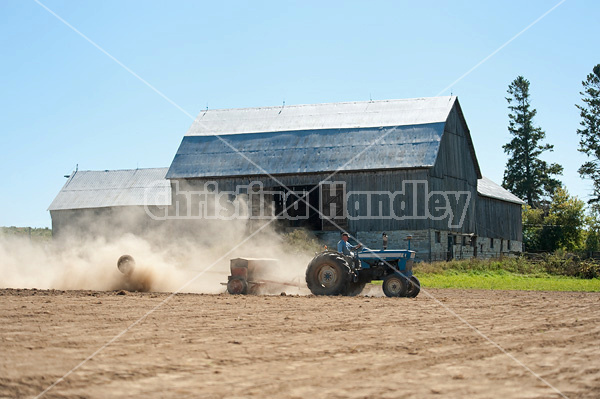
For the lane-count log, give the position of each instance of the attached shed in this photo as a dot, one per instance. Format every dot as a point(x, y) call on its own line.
point(105, 203)
point(498, 208)
point(404, 167)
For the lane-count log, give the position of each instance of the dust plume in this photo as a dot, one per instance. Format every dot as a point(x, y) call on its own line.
point(167, 256)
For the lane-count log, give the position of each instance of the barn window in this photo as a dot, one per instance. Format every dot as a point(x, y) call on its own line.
point(464, 241)
point(438, 237)
point(491, 243)
point(508, 245)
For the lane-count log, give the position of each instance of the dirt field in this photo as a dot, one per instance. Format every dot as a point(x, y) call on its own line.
point(220, 346)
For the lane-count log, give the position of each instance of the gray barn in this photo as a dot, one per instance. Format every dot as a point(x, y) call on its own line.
point(403, 167)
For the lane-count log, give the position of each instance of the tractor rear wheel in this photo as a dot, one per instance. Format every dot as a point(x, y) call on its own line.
point(394, 285)
point(328, 274)
point(414, 287)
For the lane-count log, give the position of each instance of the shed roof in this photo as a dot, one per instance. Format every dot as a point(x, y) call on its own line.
point(488, 188)
point(313, 138)
point(100, 189)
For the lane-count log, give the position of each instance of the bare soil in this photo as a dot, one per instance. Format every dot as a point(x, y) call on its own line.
point(222, 346)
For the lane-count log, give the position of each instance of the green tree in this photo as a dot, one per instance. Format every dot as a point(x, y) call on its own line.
point(567, 215)
point(589, 135)
point(592, 239)
point(533, 224)
point(561, 226)
point(526, 175)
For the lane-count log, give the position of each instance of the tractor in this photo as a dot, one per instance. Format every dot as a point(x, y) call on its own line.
point(332, 273)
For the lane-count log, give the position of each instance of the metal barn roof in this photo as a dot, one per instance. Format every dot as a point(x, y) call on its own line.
point(307, 151)
point(347, 115)
point(313, 138)
point(99, 189)
point(488, 188)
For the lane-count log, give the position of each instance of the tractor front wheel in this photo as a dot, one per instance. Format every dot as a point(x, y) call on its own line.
point(328, 274)
point(394, 285)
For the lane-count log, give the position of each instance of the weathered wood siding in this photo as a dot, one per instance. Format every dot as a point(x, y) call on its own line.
point(455, 171)
point(105, 222)
point(456, 157)
point(498, 219)
point(384, 182)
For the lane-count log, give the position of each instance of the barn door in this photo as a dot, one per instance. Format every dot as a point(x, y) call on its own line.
point(450, 253)
point(333, 205)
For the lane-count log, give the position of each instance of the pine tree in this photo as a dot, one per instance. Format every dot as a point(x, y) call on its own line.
point(589, 135)
point(526, 175)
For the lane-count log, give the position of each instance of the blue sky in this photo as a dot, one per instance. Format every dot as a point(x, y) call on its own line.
point(63, 102)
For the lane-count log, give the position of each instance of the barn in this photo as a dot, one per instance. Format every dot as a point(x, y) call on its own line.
point(407, 168)
point(109, 202)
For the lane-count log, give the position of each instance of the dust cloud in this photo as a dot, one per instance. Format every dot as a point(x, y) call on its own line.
point(187, 257)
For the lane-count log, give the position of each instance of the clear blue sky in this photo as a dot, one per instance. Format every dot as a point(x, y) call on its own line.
point(63, 102)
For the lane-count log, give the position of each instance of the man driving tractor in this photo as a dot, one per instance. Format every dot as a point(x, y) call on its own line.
point(345, 247)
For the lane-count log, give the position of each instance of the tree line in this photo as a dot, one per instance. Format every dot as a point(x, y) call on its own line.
point(552, 218)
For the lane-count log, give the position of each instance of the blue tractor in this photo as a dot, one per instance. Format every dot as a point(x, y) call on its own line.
point(332, 273)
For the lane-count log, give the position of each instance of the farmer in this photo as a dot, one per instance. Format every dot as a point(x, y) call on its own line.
point(345, 247)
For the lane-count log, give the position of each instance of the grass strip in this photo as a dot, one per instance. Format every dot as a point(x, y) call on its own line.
point(501, 280)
